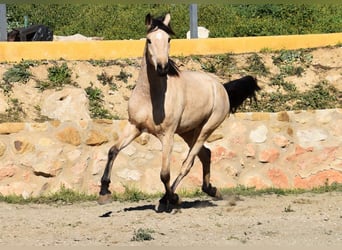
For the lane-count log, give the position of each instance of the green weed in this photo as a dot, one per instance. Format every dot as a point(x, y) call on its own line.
point(60, 75)
point(97, 111)
point(132, 194)
point(63, 197)
point(123, 76)
point(105, 79)
point(14, 112)
point(222, 65)
point(40, 117)
point(288, 209)
point(18, 73)
point(209, 66)
point(292, 62)
point(321, 96)
point(256, 65)
point(279, 81)
point(143, 234)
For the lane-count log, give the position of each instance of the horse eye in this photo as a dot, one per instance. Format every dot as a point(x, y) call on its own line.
point(169, 39)
point(149, 41)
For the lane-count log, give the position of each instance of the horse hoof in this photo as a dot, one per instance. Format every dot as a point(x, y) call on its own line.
point(175, 200)
point(213, 192)
point(218, 195)
point(104, 199)
point(167, 204)
point(161, 207)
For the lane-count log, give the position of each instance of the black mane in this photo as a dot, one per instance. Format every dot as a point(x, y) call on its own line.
point(158, 23)
point(173, 68)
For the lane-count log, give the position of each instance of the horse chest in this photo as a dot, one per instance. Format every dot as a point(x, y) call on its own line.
point(141, 114)
point(150, 116)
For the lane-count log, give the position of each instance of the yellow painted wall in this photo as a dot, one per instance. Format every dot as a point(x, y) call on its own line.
point(108, 50)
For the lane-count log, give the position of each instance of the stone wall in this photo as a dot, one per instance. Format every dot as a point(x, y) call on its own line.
point(300, 149)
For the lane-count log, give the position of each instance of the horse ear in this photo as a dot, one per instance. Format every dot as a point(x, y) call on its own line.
point(167, 19)
point(148, 19)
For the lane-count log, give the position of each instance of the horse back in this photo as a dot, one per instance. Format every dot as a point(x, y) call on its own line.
point(204, 97)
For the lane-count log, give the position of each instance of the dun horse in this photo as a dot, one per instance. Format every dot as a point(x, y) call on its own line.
point(166, 101)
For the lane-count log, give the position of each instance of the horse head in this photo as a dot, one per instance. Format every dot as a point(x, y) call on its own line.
point(158, 43)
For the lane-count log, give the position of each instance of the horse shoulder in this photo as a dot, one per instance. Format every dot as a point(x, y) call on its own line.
point(138, 106)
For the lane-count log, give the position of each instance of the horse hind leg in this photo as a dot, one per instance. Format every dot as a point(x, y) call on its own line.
point(195, 142)
point(205, 158)
point(129, 134)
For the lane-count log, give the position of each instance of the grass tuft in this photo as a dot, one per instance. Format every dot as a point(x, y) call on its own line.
point(64, 196)
point(143, 234)
point(67, 196)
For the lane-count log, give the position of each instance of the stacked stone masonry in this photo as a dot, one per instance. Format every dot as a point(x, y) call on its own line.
point(297, 149)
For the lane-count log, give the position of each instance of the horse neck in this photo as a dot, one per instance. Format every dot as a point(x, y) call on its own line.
point(149, 82)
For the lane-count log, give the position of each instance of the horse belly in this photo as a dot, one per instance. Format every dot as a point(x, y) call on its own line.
point(194, 116)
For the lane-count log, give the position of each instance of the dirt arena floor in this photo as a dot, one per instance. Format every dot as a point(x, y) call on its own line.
point(305, 220)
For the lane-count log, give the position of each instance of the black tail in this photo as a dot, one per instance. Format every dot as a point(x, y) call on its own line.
point(240, 89)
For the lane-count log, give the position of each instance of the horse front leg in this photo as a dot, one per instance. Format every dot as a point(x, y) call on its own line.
point(169, 197)
point(129, 134)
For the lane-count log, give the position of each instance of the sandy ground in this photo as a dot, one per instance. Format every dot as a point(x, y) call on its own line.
point(308, 220)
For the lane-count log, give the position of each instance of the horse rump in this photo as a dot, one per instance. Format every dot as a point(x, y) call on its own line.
point(240, 89)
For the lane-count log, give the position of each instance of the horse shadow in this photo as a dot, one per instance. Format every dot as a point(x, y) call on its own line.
point(184, 205)
point(195, 204)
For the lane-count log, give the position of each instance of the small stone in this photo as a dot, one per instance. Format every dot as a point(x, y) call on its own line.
point(259, 135)
point(103, 121)
point(283, 116)
point(250, 150)
point(39, 127)
point(11, 127)
point(69, 104)
point(290, 131)
point(143, 139)
point(311, 135)
point(129, 174)
point(48, 168)
point(278, 178)
point(269, 155)
point(95, 138)
point(6, 172)
point(260, 116)
point(69, 135)
point(22, 146)
point(2, 148)
point(45, 142)
point(55, 123)
point(281, 141)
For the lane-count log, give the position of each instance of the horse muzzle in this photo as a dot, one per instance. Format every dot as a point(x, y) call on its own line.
point(163, 69)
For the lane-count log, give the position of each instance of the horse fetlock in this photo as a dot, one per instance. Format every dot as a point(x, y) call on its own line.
point(170, 199)
point(105, 187)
